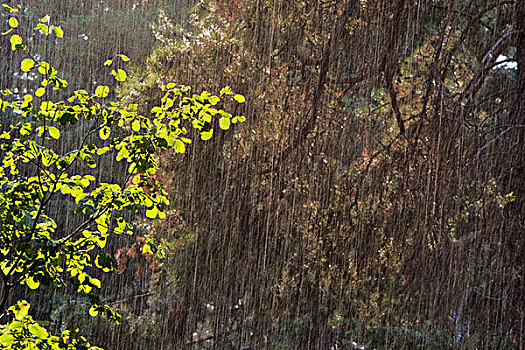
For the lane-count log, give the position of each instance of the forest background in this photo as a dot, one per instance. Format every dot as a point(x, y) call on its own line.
point(373, 197)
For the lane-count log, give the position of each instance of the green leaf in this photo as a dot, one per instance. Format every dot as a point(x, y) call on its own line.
point(93, 311)
point(44, 68)
point(121, 75)
point(53, 132)
point(146, 249)
point(135, 125)
point(27, 65)
point(239, 98)
point(224, 123)
point(31, 283)
point(58, 32)
point(21, 309)
point(206, 135)
point(226, 91)
point(16, 325)
point(214, 100)
point(7, 339)
point(95, 282)
point(104, 133)
point(123, 57)
point(13, 22)
point(9, 8)
point(40, 92)
point(38, 331)
point(179, 146)
point(15, 40)
point(102, 91)
point(152, 213)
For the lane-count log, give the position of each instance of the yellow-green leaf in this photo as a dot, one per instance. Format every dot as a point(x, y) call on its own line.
point(13, 22)
point(179, 146)
point(224, 123)
point(31, 283)
point(206, 135)
point(38, 331)
point(93, 311)
point(58, 32)
point(9, 8)
point(226, 91)
point(152, 213)
point(40, 92)
point(104, 133)
point(27, 65)
point(15, 40)
point(102, 91)
point(239, 98)
point(120, 75)
point(95, 282)
point(22, 311)
point(53, 132)
point(135, 125)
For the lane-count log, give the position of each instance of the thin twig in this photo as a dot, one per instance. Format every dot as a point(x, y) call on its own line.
point(497, 138)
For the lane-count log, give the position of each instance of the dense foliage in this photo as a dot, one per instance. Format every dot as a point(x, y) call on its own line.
point(35, 170)
point(374, 197)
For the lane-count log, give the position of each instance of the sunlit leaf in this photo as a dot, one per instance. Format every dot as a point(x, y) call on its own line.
point(152, 213)
point(58, 31)
point(102, 91)
point(44, 67)
point(31, 283)
point(53, 132)
point(224, 123)
point(93, 311)
point(38, 331)
point(13, 22)
point(206, 135)
point(124, 57)
point(10, 8)
point(27, 64)
point(104, 133)
point(226, 91)
point(96, 282)
point(135, 125)
point(239, 98)
point(214, 100)
point(15, 40)
point(119, 75)
point(21, 309)
point(179, 146)
point(40, 92)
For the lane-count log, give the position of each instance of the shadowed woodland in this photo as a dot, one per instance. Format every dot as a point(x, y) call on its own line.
point(373, 198)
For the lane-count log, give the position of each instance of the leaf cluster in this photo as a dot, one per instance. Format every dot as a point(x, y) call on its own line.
point(34, 251)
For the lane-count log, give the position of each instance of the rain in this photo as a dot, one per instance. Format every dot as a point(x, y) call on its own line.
point(368, 193)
